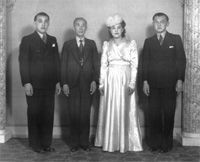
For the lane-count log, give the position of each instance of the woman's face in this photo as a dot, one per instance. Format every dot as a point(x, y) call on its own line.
point(116, 31)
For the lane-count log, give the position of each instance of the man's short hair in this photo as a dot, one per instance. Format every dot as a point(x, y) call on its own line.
point(79, 18)
point(160, 14)
point(41, 14)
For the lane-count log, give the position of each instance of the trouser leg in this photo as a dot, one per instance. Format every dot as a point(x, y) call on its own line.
point(155, 118)
point(169, 106)
point(47, 118)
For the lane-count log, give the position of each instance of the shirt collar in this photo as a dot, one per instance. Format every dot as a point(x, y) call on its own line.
point(40, 34)
point(163, 34)
point(78, 40)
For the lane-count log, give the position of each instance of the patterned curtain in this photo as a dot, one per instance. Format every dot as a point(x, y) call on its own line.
point(191, 95)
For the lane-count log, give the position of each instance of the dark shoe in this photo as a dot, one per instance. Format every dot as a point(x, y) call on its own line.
point(74, 149)
point(85, 148)
point(164, 150)
point(40, 151)
point(49, 149)
point(153, 149)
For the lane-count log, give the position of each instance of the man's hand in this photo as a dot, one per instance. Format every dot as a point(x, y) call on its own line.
point(130, 90)
point(66, 90)
point(146, 88)
point(93, 87)
point(58, 89)
point(179, 86)
point(28, 89)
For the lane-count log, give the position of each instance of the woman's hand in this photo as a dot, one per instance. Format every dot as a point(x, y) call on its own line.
point(130, 90)
point(101, 90)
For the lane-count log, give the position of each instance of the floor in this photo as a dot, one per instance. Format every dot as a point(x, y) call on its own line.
point(17, 150)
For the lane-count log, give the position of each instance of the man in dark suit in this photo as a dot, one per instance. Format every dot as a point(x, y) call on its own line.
point(39, 68)
point(79, 76)
point(163, 70)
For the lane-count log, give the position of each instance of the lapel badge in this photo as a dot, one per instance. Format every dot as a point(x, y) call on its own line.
point(53, 45)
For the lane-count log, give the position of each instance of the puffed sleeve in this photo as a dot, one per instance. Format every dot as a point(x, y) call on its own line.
point(134, 63)
point(104, 64)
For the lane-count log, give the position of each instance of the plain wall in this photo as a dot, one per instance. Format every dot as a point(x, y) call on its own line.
point(138, 17)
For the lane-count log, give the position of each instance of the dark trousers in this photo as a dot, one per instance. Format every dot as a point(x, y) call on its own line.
point(40, 118)
point(162, 105)
point(80, 102)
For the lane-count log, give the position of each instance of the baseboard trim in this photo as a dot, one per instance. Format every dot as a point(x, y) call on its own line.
point(5, 135)
point(59, 132)
point(188, 141)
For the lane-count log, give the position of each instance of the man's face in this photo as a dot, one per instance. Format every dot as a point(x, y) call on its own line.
point(160, 24)
point(42, 24)
point(80, 27)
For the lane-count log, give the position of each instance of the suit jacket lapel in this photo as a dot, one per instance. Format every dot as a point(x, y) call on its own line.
point(40, 44)
point(155, 39)
point(47, 45)
point(74, 49)
point(166, 42)
point(37, 38)
point(86, 48)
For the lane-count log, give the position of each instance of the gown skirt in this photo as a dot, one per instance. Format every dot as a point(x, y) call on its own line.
point(118, 127)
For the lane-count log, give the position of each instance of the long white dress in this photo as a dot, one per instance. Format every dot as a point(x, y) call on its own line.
point(118, 127)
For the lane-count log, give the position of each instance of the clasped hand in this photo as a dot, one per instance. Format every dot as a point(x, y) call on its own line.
point(93, 88)
point(29, 89)
point(130, 90)
point(179, 87)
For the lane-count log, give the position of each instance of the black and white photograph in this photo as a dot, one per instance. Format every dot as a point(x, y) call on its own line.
point(99, 80)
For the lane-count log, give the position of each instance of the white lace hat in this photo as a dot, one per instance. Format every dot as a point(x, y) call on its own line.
point(113, 20)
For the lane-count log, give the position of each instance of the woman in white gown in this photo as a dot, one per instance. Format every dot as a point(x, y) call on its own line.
point(118, 126)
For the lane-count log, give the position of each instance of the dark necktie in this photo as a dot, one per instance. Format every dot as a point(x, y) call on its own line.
point(44, 38)
point(81, 46)
point(81, 52)
point(161, 39)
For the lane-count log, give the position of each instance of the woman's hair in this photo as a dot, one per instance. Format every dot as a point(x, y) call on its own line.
point(123, 24)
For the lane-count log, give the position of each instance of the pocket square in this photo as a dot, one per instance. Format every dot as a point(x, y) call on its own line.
point(53, 45)
point(171, 46)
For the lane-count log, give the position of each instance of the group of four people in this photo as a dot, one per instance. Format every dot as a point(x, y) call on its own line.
point(79, 73)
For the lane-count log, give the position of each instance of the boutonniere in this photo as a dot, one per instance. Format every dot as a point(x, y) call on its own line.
point(53, 45)
point(171, 46)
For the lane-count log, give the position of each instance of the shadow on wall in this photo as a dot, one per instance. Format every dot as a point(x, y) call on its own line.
point(63, 115)
point(68, 35)
point(103, 34)
point(142, 98)
point(10, 56)
point(142, 101)
point(61, 108)
point(27, 30)
point(8, 88)
point(9, 67)
point(150, 31)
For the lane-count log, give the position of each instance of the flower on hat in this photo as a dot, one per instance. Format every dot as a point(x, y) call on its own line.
point(113, 20)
